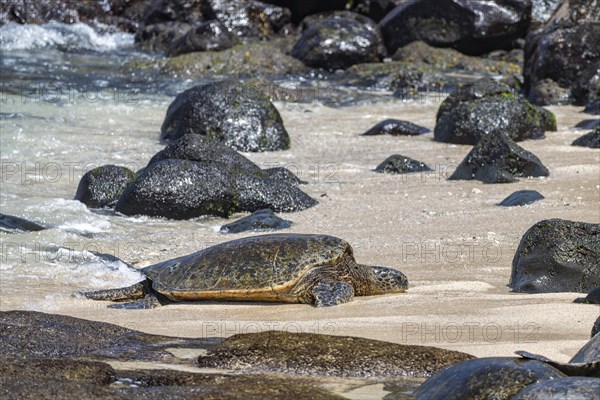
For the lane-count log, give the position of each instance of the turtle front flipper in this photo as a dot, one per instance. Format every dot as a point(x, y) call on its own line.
point(133, 292)
point(148, 302)
point(332, 293)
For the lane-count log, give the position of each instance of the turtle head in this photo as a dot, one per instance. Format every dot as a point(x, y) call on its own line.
point(389, 280)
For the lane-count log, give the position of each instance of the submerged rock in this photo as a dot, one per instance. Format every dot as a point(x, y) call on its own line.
point(579, 388)
point(398, 164)
point(521, 198)
point(469, 26)
point(102, 186)
point(235, 113)
point(211, 35)
point(339, 41)
point(315, 354)
point(486, 378)
point(396, 127)
point(261, 220)
point(12, 224)
point(591, 139)
point(486, 107)
point(498, 159)
point(557, 256)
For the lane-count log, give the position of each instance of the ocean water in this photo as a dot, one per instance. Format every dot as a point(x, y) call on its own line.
point(67, 107)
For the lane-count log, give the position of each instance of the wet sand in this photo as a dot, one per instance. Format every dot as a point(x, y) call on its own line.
point(449, 237)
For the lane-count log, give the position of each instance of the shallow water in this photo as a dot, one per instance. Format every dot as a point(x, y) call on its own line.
point(449, 238)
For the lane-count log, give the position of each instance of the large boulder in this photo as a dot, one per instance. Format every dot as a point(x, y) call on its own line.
point(238, 114)
point(589, 353)
point(551, 66)
point(102, 186)
point(182, 189)
point(496, 158)
point(557, 256)
point(485, 107)
point(473, 27)
point(301, 9)
point(339, 41)
point(210, 35)
point(247, 18)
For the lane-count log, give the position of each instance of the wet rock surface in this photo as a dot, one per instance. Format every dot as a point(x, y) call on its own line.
point(12, 224)
point(211, 35)
point(304, 353)
point(562, 388)
point(160, 36)
point(521, 198)
point(574, 67)
point(339, 41)
point(557, 256)
point(30, 334)
point(591, 139)
point(498, 159)
point(399, 164)
point(102, 186)
point(589, 353)
point(486, 378)
point(235, 113)
point(260, 220)
point(487, 107)
point(471, 27)
point(396, 127)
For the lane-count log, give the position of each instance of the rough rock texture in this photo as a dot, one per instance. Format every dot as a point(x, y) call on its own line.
point(339, 41)
point(396, 127)
point(487, 107)
point(261, 220)
point(472, 27)
point(184, 189)
point(211, 35)
point(521, 198)
point(235, 113)
point(398, 164)
point(486, 378)
point(563, 388)
point(205, 150)
point(591, 139)
point(542, 10)
point(102, 186)
point(301, 9)
point(57, 368)
point(12, 224)
point(557, 256)
point(283, 174)
point(188, 11)
point(314, 354)
point(247, 18)
point(575, 67)
point(496, 158)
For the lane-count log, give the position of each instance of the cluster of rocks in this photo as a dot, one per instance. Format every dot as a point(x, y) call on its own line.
point(199, 173)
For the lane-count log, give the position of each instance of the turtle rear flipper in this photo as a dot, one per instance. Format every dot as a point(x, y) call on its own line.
point(133, 292)
point(332, 293)
point(147, 302)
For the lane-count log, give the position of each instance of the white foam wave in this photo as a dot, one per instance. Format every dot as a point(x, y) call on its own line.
point(61, 36)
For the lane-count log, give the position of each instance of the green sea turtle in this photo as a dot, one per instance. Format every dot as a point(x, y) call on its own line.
point(293, 268)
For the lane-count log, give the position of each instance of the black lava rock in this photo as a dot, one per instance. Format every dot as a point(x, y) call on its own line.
point(160, 36)
point(301, 9)
point(496, 158)
point(102, 186)
point(592, 297)
point(339, 41)
point(557, 256)
point(591, 139)
point(396, 127)
point(189, 11)
point(397, 164)
point(588, 124)
point(260, 220)
point(12, 224)
point(247, 18)
point(206, 150)
point(592, 107)
point(596, 327)
point(521, 198)
point(211, 35)
point(473, 27)
point(486, 107)
point(238, 114)
point(283, 174)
